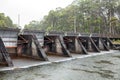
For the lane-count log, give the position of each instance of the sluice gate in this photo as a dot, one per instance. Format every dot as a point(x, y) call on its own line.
point(54, 44)
point(100, 42)
point(88, 43)
point(30, 45)
point(73, 44)
point(108, 43)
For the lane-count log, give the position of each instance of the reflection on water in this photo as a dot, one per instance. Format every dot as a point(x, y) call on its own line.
point(103, 67)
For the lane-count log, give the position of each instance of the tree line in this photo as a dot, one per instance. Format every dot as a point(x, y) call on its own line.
point(85, 16)
point(6, 22)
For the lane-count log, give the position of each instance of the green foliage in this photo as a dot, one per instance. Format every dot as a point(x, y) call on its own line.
point(33, 25)
point(116, 41)
point(91, 16)
point(5, 21)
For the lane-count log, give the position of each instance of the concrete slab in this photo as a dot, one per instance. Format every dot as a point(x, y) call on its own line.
point(27, 63)
point(53, 58)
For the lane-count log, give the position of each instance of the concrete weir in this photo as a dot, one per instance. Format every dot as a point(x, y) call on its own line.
point(34, 47)
point(54, 44)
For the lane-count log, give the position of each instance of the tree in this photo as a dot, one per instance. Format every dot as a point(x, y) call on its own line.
point(5, 21)
point(90, 16)
point(32, 25)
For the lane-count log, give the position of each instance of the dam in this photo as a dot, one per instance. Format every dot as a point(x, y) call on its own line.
point(31, 48)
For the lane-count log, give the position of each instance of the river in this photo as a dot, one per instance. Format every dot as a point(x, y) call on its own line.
point(101, 67)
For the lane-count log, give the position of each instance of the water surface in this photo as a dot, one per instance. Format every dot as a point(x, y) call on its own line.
point(102, 67)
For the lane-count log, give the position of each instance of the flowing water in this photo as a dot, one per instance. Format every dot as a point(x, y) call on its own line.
point(102, 67)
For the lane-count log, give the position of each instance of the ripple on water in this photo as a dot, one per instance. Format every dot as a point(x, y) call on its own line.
point(117, 56)
point(104, 62)
point(104, 73)
point(98, 67)
point(104, 67)
point(42, 75)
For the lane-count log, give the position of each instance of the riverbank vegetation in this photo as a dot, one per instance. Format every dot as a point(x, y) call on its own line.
point(90, 16)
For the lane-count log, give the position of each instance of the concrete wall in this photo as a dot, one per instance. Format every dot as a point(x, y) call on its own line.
point(77, 46)
point(34, 49)
point(101, 46)
point(58, 46)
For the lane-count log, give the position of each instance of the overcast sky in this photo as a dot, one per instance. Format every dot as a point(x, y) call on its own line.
point(30, 9)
